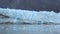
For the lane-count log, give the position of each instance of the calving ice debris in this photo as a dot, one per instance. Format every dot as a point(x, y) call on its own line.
point(26, 16)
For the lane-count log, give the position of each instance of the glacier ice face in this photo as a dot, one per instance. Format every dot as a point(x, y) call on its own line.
point(30, 16)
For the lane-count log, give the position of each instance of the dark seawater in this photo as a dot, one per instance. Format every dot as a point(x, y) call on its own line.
point(29, 29)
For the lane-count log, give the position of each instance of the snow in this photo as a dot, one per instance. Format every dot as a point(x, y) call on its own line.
point(31, 16)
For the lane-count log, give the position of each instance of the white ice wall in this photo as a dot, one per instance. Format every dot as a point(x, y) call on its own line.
point(43, 16)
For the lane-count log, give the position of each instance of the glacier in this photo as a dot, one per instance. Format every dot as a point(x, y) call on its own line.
point(27, 16)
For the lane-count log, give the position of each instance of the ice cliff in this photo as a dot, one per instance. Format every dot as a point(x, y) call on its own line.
point(18, 16)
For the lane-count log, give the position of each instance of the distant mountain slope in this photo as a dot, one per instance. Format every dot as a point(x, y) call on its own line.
point(32, 4)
